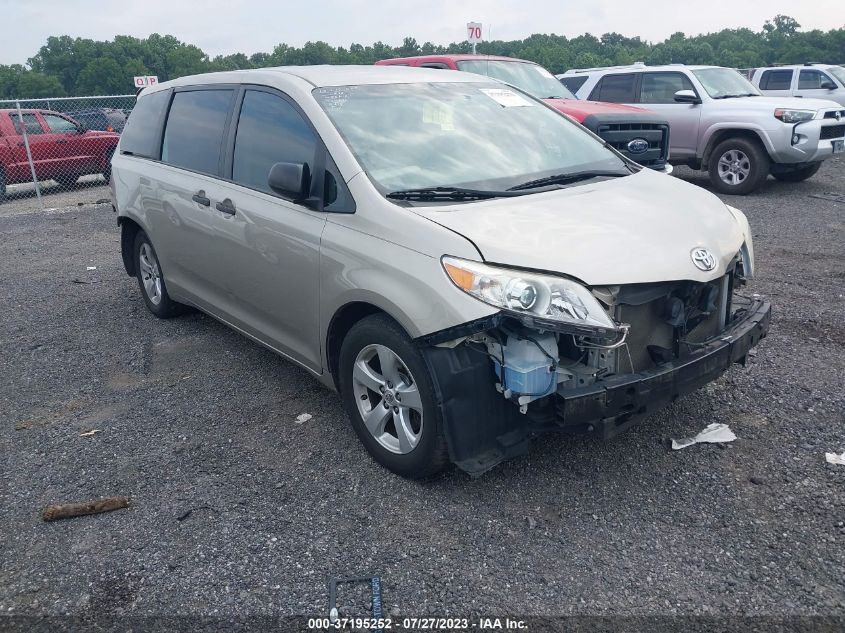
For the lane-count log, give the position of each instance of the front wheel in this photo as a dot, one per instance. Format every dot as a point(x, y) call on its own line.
point(151, 280)
point(798, 175)
point(389, 395)
point(738, 166)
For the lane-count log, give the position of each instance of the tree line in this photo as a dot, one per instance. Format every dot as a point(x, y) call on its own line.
point(67, 66)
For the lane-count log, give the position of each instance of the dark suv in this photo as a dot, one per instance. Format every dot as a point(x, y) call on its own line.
point(103, 119)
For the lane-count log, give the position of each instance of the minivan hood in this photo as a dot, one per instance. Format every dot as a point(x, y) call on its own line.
point(635, 229)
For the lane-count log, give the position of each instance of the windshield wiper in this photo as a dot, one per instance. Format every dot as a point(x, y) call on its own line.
point(739, 94)
point(562, 179)
point(449, 193)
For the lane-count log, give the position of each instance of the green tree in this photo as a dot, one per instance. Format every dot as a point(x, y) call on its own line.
point(33, 85)
point(103, 76)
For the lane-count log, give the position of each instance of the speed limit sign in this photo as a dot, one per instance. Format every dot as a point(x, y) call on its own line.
point(474, 32)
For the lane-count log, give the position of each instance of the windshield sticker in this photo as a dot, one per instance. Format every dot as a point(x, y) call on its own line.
point(335, 97)
point(506, 98)
point(544, 72)
point(439, 114)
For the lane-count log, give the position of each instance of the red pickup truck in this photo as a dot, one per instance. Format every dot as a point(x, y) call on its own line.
point(62, 149)
point(639, 134)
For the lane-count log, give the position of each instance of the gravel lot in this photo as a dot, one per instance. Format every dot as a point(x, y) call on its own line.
point(237, 510)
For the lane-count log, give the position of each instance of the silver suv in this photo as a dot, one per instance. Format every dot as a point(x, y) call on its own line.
point(467, 266)
point(722, 124)
point(817, 81)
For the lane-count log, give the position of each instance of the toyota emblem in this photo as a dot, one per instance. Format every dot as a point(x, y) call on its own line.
point(838, 115)
point(703, 259)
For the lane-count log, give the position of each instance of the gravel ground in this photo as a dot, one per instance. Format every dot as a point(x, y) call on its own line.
point(237, 510)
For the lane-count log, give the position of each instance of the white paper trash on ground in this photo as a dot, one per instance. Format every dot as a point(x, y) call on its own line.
point(833, 458)
point(711, 434)
point(303, 417)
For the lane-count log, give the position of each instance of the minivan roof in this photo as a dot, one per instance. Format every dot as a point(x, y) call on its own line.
point(457, 57)
point(326, 75)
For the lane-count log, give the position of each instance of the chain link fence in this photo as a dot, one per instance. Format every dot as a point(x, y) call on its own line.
point(57, 152)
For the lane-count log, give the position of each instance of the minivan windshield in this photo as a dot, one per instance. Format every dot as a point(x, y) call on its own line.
point(532, 78)
point(471, 135)
point(721, 83)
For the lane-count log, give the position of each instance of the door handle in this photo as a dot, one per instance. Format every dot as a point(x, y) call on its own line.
point(199, 198)
point(61, 141)
point(226, 207)
point(21, 144)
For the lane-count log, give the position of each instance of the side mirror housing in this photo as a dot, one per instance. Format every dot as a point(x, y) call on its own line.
point(686, 96)
point(292, 181)
point(828, 85)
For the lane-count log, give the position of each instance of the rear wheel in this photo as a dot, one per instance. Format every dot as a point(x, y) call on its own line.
point(738, 166)
point(151, 280)
point(389, 395)
point(798, 175)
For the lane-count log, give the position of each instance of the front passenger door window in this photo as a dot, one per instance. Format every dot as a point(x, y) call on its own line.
point(270, 130)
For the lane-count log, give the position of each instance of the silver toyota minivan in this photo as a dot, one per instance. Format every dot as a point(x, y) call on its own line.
point(465, 265)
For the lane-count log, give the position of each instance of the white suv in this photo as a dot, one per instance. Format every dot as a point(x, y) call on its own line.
point(721, 123)
point(819, 81)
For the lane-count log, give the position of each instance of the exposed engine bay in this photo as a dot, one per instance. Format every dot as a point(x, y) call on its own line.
point(668, 338)
point(657, 323)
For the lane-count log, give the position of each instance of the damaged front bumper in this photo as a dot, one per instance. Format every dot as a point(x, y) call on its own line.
point(483, 430)
point(616, 403)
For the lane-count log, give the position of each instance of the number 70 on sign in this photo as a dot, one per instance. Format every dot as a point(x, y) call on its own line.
point(474, 32)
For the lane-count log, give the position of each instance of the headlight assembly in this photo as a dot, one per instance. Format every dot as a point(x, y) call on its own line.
point(788, 115)
point(556, 302)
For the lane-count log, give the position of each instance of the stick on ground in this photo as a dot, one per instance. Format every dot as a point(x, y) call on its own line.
point(70, 510)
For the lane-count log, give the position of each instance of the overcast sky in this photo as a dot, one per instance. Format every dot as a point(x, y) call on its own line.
point(249, 26)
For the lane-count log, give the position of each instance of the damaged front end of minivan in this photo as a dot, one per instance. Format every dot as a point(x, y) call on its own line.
point(560, 356)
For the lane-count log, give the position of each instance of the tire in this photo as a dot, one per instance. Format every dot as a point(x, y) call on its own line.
point(798, 175)
point(738, 166)
point(2, 184)
point(151, 280)
point(407, 438)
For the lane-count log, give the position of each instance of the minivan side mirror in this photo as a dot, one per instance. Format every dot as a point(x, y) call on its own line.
point(828, 85)
point(686, 96)
point(291, 180)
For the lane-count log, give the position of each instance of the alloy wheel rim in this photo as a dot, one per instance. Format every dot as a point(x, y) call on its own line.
point(388, 399)
point(734, 167)
point(150, 274)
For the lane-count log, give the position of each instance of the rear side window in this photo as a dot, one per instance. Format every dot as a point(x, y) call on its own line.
point(574, 83)
point(775, 80)
point(615, 89)
point(142, 134)
point(30, 122)
point(661, 87)
point(270, 130)
point(193, 135)
point(811, 79)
